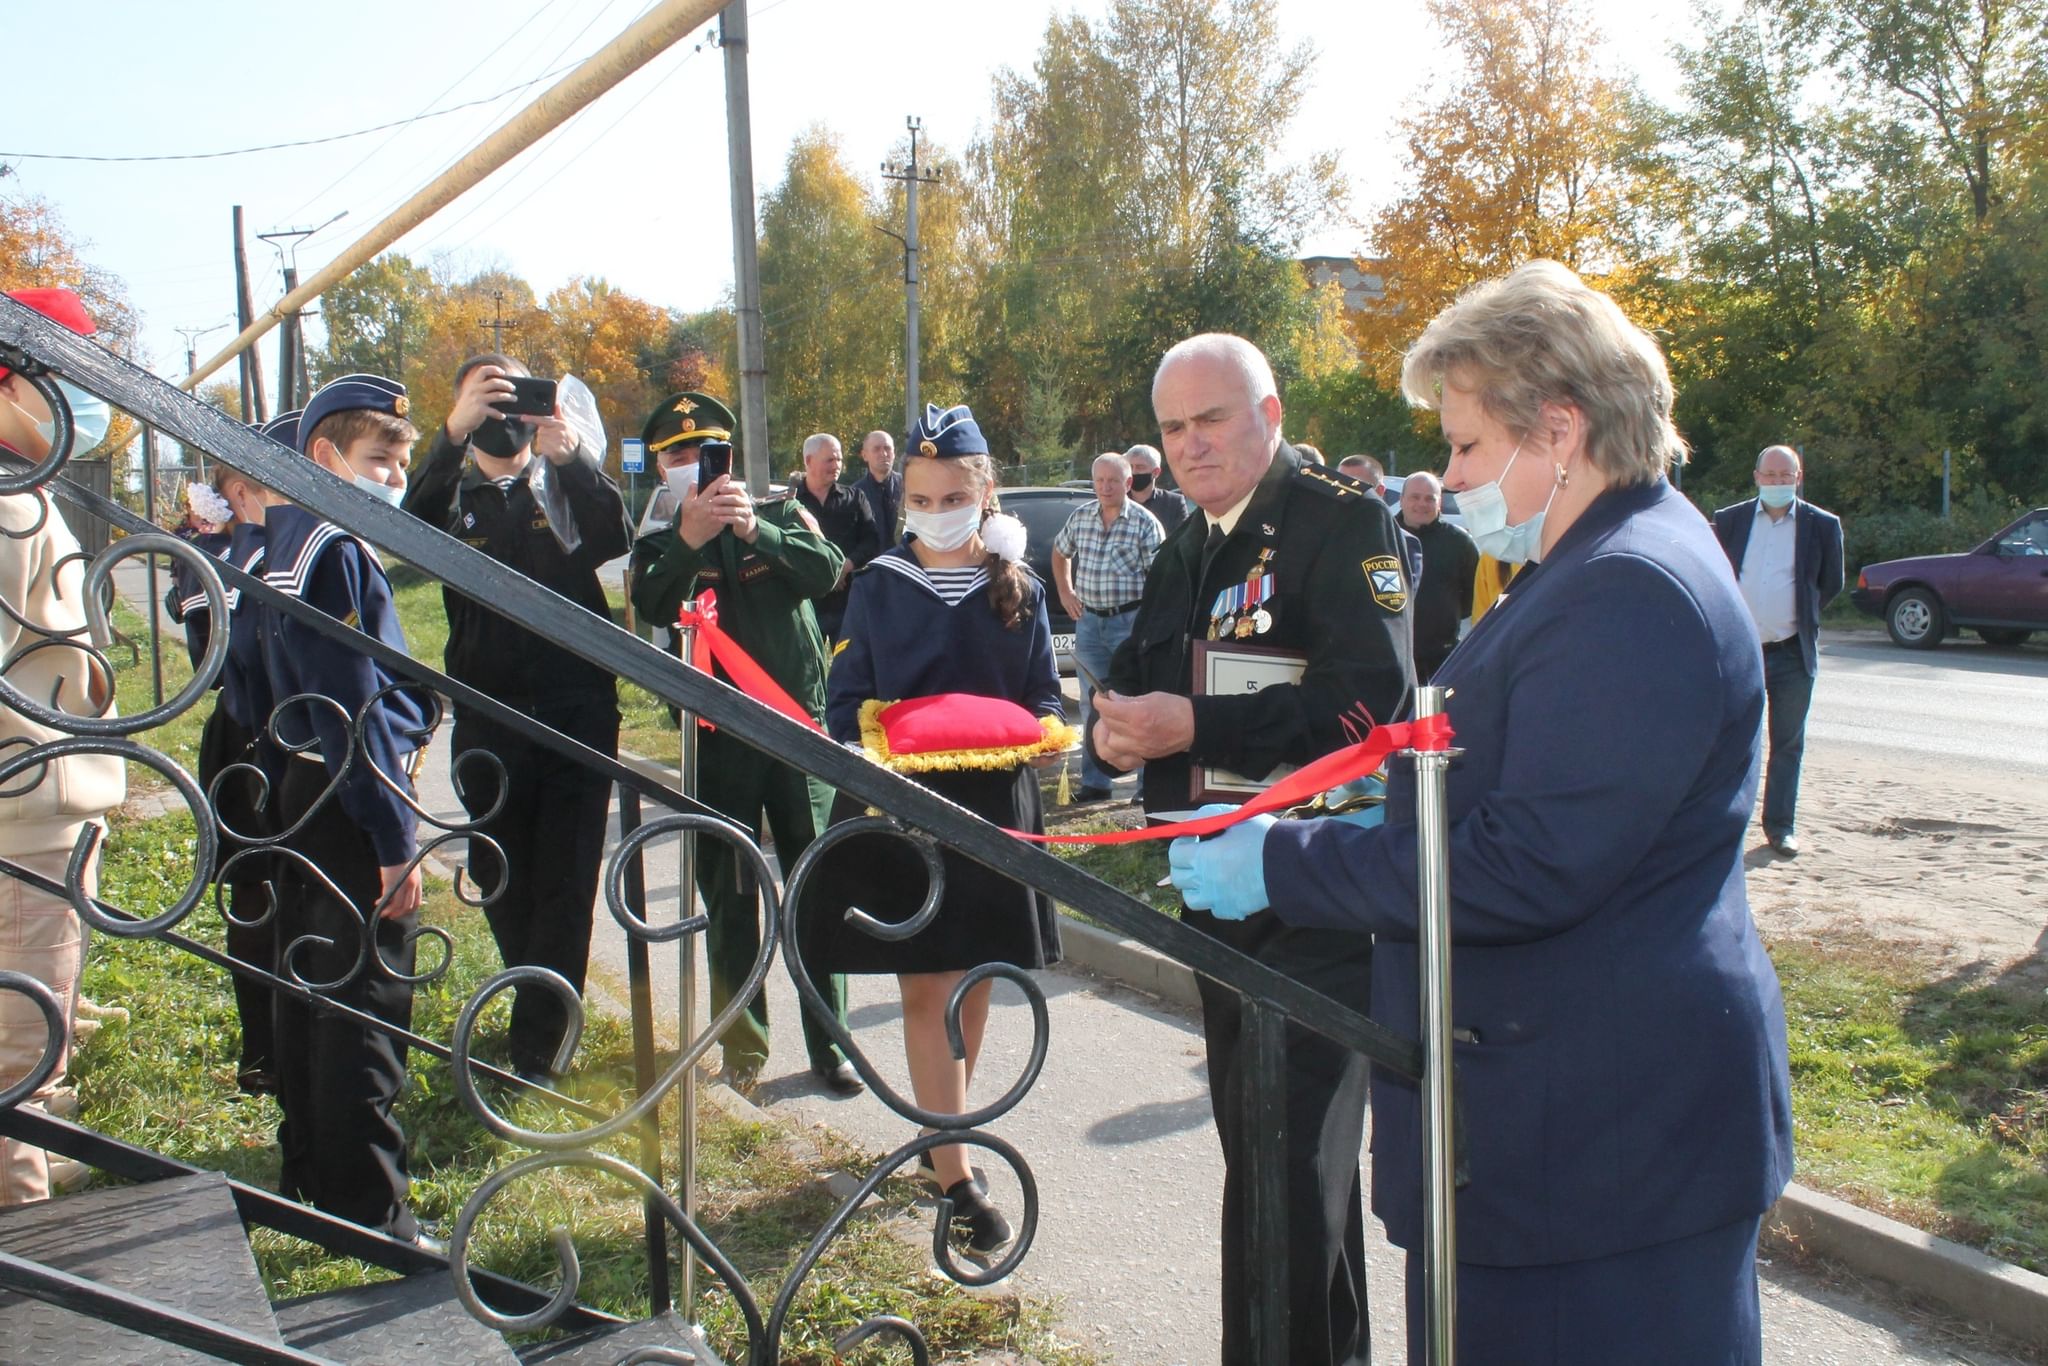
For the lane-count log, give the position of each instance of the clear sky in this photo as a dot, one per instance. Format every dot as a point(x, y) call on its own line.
point(634, 188)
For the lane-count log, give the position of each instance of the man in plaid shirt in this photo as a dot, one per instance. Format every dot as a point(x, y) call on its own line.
point(1099, 562)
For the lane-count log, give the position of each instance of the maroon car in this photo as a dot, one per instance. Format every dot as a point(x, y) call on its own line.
point(1999, 590)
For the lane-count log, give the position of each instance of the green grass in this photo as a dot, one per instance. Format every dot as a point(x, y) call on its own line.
point(1921, 1096)
point(166, 1080)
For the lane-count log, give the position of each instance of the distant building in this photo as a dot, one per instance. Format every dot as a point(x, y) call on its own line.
point(1362, 288)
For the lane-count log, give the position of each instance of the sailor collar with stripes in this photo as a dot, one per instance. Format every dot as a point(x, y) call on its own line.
point(950, 586)
point(291, 565)
point(248, 559)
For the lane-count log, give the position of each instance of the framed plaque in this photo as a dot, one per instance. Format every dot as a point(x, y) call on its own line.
point(1227, 669)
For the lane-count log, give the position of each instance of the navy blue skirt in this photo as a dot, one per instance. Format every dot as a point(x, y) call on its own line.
point(1692, 1302)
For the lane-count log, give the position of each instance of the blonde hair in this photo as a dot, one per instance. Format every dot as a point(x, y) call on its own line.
point(1539, 335)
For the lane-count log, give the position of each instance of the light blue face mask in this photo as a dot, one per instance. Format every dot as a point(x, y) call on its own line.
point(391, 494)
point(90, 418)
point(1485, 509)
point(1776, 495)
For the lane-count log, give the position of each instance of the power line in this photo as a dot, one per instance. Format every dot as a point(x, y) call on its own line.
point(301, 142)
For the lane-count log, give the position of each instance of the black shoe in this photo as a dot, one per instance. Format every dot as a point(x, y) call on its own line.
point(742, 1077)
point(428, 1243)
point(1786, 844)
point(981, 1224)
point(258, 1080)
point(1092, 794)
point(545, 1077)
point(840, 1078)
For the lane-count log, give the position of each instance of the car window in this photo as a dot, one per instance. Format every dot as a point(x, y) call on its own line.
point(2028, 538)
point(1042, 518)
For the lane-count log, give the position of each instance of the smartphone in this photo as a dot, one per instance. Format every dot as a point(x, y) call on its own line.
point(530, 397)
point(713, 459)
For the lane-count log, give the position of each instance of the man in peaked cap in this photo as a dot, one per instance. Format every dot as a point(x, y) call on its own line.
point(767, 562)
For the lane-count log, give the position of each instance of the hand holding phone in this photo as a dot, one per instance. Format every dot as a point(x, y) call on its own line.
point(530, 397)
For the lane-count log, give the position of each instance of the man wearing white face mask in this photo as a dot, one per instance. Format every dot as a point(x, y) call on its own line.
point(1787, 557)
point(768, 563)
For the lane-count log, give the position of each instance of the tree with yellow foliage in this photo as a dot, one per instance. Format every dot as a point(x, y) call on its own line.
point(1534, 155)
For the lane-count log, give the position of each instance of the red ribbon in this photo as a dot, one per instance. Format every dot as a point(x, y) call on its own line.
point(1425, 733)
point(749, 677)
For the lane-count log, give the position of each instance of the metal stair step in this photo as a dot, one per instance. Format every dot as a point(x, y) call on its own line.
point(178, 1242)
point(415, 1319)
point(610, 1346)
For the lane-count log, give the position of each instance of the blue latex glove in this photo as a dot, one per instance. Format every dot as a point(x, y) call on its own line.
point(1225, 874)
point(1365, 817)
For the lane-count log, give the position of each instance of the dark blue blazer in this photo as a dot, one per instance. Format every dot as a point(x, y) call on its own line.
point(1816, 563)
point(1626, 1081)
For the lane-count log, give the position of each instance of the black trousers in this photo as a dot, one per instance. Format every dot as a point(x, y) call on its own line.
point(337, 1079)
point(1326, 1090)
point(551, 829)
point(222, 743)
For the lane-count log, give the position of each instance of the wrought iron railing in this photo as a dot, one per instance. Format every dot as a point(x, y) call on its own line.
point(910, 812)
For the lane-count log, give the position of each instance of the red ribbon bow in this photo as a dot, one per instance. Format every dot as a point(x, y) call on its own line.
point(739, 666)
point(1425, 733)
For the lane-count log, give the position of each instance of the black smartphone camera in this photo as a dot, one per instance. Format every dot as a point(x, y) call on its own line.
point(713, 459)
point(530, 397)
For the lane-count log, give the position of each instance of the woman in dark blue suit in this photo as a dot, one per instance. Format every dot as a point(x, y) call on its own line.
point(1621, 1068)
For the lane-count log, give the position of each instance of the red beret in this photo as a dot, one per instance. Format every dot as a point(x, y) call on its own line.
point(57, 304)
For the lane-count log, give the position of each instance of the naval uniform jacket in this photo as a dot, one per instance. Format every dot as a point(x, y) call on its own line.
point(764, 590)
point(1334, 551)
point(244, 693)
point(493, 653)
point(1621, 1063)
point(324, 566)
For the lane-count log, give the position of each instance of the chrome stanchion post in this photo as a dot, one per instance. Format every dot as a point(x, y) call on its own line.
point(686, 1025)
point(1433, 880)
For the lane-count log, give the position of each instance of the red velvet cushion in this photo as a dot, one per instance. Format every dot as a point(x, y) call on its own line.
point(957, 720)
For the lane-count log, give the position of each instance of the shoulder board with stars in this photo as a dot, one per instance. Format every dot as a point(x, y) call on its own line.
point(1331, 483)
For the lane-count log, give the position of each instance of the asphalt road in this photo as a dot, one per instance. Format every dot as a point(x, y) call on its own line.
point(1965, 702)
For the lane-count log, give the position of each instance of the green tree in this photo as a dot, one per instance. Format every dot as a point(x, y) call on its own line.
point(825, 274)
point(376, 320)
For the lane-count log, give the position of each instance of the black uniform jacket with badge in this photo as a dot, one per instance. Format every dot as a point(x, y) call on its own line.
point(323, 566)
point(764, 590)
point(491, 652)
point(185, 603)
point(1334, 553)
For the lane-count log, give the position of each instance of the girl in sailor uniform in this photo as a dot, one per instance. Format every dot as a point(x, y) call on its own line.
point(942, 612)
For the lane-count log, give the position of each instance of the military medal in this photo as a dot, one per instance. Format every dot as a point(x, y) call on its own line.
point(1262, 620)
point(1245, 627)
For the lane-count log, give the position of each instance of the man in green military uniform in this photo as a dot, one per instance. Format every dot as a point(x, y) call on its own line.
point(766, 560)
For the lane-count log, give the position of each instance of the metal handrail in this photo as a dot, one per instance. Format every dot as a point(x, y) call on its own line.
point(1270, 999)
point(469, 571)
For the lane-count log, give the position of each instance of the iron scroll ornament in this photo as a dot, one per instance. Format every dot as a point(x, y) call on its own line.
point(574, 1148)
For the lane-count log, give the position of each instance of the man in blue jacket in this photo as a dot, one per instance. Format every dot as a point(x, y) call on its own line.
point(1787, 556)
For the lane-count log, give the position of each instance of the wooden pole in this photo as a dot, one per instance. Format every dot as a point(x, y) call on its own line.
point(640, 44)
point(255, 407)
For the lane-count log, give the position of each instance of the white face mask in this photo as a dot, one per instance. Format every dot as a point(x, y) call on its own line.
point(944, 530)
point(682, 478)
point(1485, 509)
point(90, 418)
point(392, 494)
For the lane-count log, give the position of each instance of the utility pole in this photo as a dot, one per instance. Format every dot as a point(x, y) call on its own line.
point(192, 336)
point(254, 407)
point(746, 261)
point(293, 383)
point(912, 175)
point(499, 327)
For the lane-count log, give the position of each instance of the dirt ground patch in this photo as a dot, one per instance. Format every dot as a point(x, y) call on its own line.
point(1942, 856)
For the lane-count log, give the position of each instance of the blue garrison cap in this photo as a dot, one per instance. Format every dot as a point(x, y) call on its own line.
point(348, 393)
point(949, 433)
point(284, 428)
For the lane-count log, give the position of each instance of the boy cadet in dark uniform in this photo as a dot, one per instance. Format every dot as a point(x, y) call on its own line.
point(767, 562)
point(554, 519)
point(1283, 553)
point(230, 737)
point(341, 1147)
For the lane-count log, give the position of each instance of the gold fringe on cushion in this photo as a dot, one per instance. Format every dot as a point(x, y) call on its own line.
point(1056, 738)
